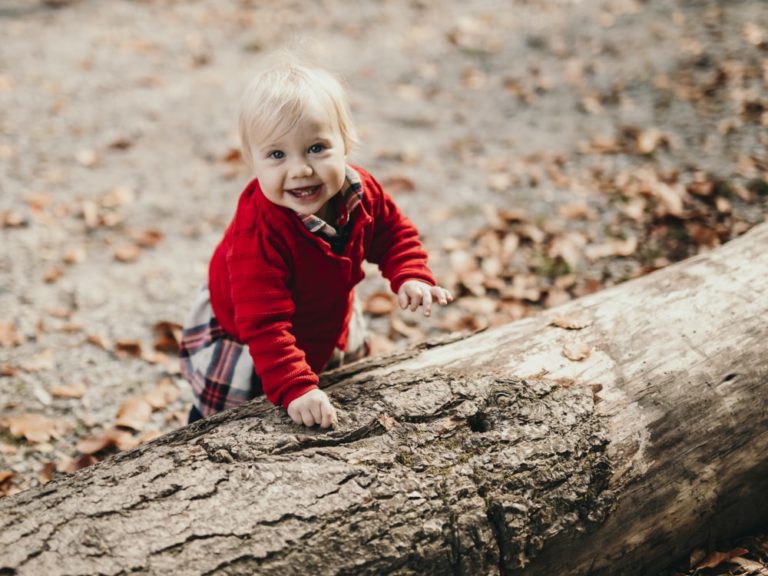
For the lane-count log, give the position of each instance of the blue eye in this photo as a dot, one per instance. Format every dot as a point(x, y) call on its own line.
point(316, 148)
point(277, 155)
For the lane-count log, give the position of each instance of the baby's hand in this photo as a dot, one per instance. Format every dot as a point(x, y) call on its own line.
point(415, 293)
point(312, 408)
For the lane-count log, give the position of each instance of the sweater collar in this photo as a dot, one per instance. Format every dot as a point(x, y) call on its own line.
point(344, 203)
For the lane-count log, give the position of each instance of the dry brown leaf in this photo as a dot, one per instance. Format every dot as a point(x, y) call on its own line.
point(46, 473)
point(74, 255)
point(7, 370)
point(716, 558)
point(6, 483)
point(570, 322)
point(148, 238)
point(614, 247)
point(648, 141)
point(8, 335)
point(53, 274)
point(577, 351)
point(12, 219)
point(167, 336)
point(76, 390)
point(577, 211)
point(379, 304)
point(34, 427)
point(83, 462)
point(165, 393)
point(113, 437)
point(127, 253)
point(134, 413)
point(128, 348)
point(147, 436)
point(97, 340)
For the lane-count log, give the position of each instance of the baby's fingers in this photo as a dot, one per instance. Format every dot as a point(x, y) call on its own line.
point(443, 296)
point(328, 415)
point(426, 302)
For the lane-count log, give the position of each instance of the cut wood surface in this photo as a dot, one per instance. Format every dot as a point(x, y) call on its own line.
point(499, 453)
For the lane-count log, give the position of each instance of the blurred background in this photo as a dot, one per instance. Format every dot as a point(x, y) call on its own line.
point(546, 149)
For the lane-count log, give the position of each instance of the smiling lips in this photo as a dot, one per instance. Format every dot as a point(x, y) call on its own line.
point(306, 192)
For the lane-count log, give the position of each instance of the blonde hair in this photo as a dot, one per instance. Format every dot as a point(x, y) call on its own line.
point(277, 97)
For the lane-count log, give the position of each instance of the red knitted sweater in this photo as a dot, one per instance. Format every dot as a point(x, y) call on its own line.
point(281, 290)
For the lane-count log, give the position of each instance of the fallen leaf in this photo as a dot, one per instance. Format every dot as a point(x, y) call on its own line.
point(379, 304)
point(570, 322)
point(83, 462)
point(128, 348)
point(165, 393)
point(577, 351)
point(6, 483)
point(167, 336)
point(148, 436)
point(74, 255)
point(134, 413)
point(113, 437)
point(53, 274)
point(127, 253)
point(34, 427)
point(76, 390)
point(46, 473)
point(8, 336)
point(148, 238)
point(12, 219)
point(716, 558)
point(97, 340)
point(7, 370)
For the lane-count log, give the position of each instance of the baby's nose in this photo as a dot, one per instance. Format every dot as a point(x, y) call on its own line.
point(301, 170)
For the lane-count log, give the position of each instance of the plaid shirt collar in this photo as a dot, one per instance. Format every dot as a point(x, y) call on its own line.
point(345, 203)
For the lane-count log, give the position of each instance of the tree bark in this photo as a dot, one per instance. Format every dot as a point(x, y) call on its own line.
point(492, 454)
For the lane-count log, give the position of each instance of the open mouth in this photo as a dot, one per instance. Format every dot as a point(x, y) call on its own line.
point(307, 192)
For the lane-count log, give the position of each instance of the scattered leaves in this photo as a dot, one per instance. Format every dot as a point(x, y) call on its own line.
point(134, 413)
point(76, 390)
point(34, 427)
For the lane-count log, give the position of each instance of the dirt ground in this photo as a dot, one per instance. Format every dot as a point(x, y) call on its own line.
point(119, 170)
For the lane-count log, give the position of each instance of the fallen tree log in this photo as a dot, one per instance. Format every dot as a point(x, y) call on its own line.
point(493, 454)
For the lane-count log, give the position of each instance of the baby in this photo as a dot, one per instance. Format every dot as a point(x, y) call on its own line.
point(280, 294)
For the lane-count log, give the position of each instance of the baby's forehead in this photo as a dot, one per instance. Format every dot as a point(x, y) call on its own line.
point(310, 119)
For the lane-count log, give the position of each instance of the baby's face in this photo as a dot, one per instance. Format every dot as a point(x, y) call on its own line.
point(304, 167)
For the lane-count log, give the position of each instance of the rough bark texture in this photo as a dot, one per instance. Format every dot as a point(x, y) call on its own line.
point(492, 454)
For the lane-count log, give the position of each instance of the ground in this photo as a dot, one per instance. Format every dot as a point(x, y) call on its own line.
point(545, 149)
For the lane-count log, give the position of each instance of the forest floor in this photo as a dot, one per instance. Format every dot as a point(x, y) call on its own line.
point(546, 149)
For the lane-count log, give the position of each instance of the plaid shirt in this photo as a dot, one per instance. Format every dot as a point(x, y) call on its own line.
point(344, 205)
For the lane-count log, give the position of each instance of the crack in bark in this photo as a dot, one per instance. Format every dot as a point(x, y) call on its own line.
point(373, 428)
